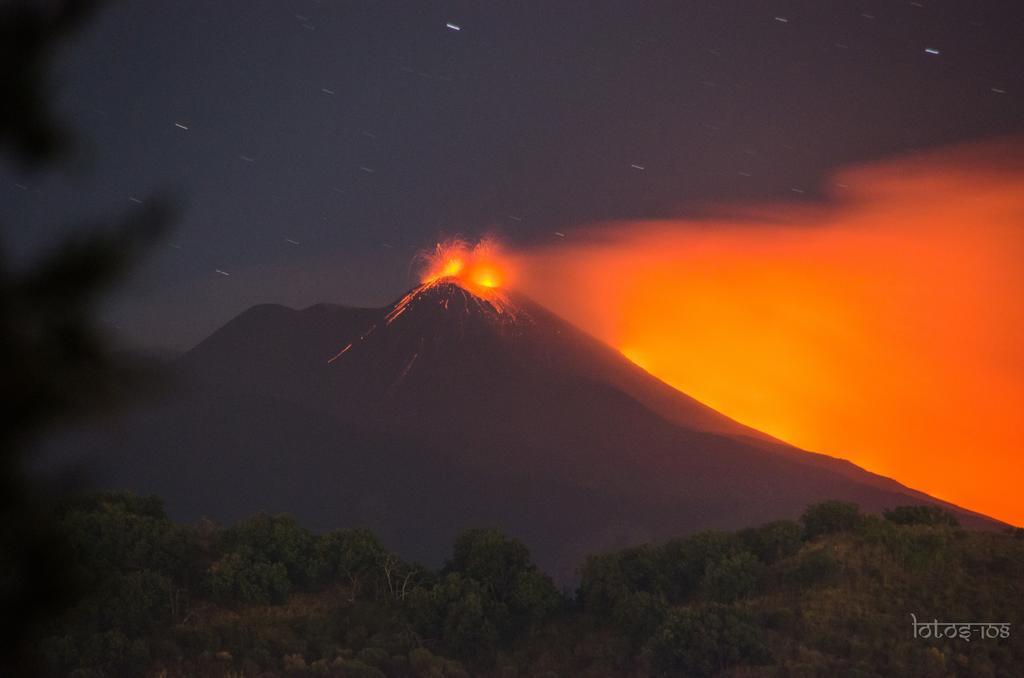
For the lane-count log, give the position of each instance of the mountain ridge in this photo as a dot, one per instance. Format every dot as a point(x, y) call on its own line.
point(446, 413)
point(655, 394)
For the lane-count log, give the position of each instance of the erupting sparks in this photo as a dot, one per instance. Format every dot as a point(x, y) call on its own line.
point(455, 269)
point(481, 268)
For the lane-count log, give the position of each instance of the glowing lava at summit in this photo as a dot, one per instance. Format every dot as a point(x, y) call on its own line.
point(472, 275)
point(480, 268)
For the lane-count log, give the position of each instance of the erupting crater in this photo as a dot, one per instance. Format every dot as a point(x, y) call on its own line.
point(481, 268)
point(456, 277)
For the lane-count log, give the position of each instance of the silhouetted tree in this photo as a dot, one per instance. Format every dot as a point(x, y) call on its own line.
point(502, 566)
point(354, 557)
point(276, 539)
point(55, 361)
point(683, 562)
point(923, 514)
point(608, 579)
point(704, 641)
point(732, 577)
point(772, 541)
point(814, 567)
point(489, 592)
point(29, 34)
point(244, 576)
point(829, 517)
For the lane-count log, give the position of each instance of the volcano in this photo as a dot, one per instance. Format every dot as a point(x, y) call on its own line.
point(457, 407)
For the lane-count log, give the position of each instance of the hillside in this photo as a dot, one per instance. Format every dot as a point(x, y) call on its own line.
point(442, 411)
point(829, 594)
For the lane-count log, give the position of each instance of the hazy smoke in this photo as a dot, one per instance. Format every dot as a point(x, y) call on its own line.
point(886, 325)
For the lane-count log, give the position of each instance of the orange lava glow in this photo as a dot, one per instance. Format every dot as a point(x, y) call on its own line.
point(885, 326)
point(480, 268)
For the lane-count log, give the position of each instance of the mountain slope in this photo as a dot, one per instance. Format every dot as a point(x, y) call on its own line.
point(447, 410)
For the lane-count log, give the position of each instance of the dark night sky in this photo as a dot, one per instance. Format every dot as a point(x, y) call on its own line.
point(361, 131)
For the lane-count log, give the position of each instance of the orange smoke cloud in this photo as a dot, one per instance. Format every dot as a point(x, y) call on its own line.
point(885, 327)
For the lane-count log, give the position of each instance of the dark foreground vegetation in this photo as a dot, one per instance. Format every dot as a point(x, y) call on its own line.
point(832, 593)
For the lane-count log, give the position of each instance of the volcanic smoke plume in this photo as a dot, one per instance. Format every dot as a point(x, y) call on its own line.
point(885, 326)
